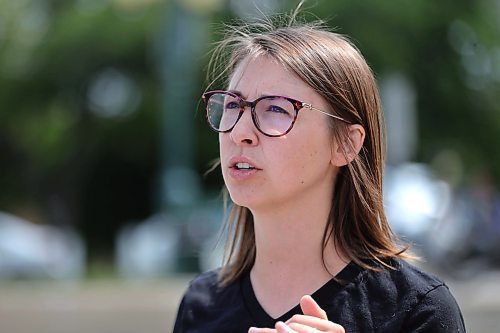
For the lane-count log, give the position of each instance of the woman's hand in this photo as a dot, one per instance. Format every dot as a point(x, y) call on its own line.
point(314, 320)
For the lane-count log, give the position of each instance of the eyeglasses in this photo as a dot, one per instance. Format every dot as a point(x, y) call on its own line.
point(272, 115)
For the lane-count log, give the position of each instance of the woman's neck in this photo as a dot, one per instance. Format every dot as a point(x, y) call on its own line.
point(289, 261)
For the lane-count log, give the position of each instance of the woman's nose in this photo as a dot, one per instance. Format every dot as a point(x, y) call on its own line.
point(245, 132)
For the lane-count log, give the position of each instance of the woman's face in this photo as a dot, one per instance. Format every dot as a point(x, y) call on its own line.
point(282, 169)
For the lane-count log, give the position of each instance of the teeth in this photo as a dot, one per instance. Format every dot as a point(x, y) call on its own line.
point(243, 166)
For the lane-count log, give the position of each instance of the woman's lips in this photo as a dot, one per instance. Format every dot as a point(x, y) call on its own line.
point(242, 168)
point(242, 174)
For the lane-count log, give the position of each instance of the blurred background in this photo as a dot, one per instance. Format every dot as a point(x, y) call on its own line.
point(106, 210)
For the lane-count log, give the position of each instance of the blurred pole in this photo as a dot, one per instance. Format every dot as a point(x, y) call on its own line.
point(182, 44)
point(400, 111)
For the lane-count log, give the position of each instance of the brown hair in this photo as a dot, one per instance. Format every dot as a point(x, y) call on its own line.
point(333, 67)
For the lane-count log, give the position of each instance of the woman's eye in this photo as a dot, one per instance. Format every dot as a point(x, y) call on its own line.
point(232, 105)
point(277, 109)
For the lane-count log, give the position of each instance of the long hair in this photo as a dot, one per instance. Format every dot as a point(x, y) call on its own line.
point(330, 64)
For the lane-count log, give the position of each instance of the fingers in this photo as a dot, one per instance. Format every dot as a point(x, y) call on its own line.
point(314, 319)
point(299, 328)
point(298, 322)
point(311, 308)
point(261, 330)
point(280, 327)
point(320, 324)
point(298, 325)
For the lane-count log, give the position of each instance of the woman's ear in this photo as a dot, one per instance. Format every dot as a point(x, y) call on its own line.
point(346, 150)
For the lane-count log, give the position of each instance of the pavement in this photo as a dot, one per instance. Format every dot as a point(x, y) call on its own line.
point(118, 306)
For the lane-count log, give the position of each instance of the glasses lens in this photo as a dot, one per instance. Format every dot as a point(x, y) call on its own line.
point(222, 111)
point(275, 115)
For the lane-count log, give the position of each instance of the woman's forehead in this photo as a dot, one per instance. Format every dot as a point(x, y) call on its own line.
point(264, 75)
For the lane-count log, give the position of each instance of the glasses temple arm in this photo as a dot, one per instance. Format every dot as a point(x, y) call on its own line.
point(310, 107)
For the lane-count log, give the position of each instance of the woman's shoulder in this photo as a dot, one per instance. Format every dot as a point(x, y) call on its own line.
point(399, 298)
point(208, 306)
point(416, 297)
point(432, 304)
point(400, 279)
point(202, 286)
point(206, 289)
point(205, 280)
point(414, 277)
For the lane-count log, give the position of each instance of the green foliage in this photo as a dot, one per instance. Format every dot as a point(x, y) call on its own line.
point(457, 90)
point(58, 151)
point(53, 143)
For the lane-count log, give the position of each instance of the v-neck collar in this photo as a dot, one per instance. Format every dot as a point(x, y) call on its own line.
point(322, 296)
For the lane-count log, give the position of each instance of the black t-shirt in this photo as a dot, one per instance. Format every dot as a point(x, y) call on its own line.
point(401, 300)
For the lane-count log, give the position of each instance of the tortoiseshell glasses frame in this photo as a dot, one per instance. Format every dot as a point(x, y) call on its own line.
point(283, 110)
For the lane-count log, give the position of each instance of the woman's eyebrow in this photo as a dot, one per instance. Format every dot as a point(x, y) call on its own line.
point(236, 92)
point(240, 94)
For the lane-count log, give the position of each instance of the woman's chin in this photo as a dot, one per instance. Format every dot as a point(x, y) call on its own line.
point(243, 199)
point(244, 202)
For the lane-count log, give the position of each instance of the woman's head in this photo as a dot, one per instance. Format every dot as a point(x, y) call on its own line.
point(275, 152)
point(332, 72)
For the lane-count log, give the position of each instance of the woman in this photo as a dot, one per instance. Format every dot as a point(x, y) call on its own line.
point(302, 152)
